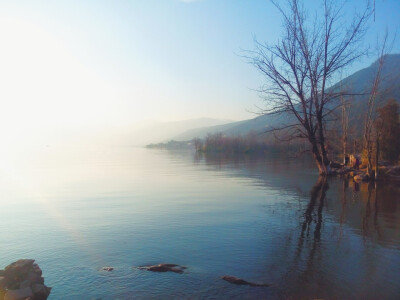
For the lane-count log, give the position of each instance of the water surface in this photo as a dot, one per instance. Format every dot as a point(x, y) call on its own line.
point(265, 219)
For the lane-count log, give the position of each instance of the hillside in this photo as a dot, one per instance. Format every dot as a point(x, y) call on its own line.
point(163, 131)
point(359, 82)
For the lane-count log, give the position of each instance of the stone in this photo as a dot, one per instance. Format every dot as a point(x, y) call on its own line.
point(344, 171)
point(14, 285)
point(3, 282)
point(40, 291)
point(35, 278)
point(361, 177)
point(239, 281)
point(335, 165)
point(20, 294)
point(24, 284)
point(20, 264)
point(164, 268)
point(20, 278)
point(354, 173)
point(36, 269)
point(18, 270)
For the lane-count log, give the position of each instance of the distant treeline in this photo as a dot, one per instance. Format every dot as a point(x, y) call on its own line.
point(251, 143)
point(172, 145)
point(340, 140)
point(217, 142)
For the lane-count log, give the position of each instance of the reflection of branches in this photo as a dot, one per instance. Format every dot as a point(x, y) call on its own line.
point(317, 192)
point(376, 225)
point(317, 232)
point(365, 219)
point(367, 215)
point(356, 190)
point(345, 185)
point(317, 195)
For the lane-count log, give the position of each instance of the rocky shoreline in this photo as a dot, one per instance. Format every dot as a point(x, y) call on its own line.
point(22, 280)
point(385, 173)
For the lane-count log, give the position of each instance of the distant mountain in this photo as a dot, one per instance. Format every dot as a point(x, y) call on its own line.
point(361, 82)
point(203, 131)
point(259, 125)
point(157, 132)
point(358, 83)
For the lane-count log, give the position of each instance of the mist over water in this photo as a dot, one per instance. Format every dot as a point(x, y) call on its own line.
point(264, 219)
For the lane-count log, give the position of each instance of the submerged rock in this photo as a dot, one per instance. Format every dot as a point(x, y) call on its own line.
point(23, 280)
point(108, 269)
point(239, 281)
point(164, 268)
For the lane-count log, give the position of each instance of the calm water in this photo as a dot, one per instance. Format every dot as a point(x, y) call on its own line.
point(267, 220)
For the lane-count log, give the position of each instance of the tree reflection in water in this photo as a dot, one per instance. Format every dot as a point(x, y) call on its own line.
point(338, 240)
point(311, 216)
point(318, 194)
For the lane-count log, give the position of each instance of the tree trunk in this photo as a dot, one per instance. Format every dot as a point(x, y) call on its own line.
point(369, 158)
point(345, 125)
point(322, 167)
point(323, 153)
point(377, 158)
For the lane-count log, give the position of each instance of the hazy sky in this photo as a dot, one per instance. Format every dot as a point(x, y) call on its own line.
point(72, 65)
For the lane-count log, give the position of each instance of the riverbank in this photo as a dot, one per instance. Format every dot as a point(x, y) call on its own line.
point(389, 172)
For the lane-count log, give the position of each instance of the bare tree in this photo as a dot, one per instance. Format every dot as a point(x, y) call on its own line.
point(345, 125)
point(370, 115)
point(301, 65)
point(379, 122)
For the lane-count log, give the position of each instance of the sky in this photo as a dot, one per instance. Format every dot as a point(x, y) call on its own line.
point(71, 66)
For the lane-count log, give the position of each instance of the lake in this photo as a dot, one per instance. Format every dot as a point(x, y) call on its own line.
point(264, 219)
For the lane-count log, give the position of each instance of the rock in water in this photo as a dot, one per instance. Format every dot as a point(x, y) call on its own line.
point(239, 281)
point(18, 270)
point(18, 294)
point(40, 291)
point(23, 280)
point(108, 269)
point(164, 268)
point(2, 282)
